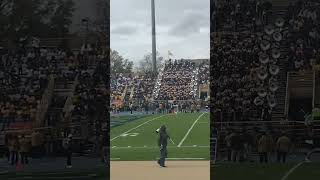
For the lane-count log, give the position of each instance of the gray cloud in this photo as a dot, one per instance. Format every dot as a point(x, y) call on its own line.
point(191, 23)
point(182, 27)
point(124, 30)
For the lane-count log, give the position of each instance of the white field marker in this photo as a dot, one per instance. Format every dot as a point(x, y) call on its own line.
point(137, 127)
point(185, 158)
point(156, 147)
point(291, 171)
point(194, 123)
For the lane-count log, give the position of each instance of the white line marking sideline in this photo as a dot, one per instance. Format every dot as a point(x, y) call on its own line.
point(291, 171)
point(194, 123)
point(155, 147)
point(185, 158)
point(137, 127)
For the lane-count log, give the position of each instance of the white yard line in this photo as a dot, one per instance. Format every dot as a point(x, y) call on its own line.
point(156, 147)
point(137, 127)
point(185, 158)
point(112, 159)
point(194, 123)
point(291, 171)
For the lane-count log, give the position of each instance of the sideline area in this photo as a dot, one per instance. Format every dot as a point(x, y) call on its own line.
point(138, 170)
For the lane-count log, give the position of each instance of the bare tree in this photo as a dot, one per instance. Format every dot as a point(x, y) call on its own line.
point(145, 64)
point(119, 64)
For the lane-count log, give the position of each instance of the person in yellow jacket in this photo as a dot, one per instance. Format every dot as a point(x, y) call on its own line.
point(24, 149)
point(13, 148)
point(283, 147)
point(263, 143)
point(270, 145)
point(36, 143)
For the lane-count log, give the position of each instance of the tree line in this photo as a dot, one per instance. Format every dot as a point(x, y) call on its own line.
point(121, 65)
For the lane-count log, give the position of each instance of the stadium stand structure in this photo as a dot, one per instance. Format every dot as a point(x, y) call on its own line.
point(244, 33)
point(177, 81)
point(47, 89)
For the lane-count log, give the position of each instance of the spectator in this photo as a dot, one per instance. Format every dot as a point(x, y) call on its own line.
point(24, 149)
point(13, 148)
point(283, 147)
point(263, 148)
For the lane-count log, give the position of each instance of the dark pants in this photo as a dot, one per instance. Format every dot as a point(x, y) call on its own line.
point(235, 155)
point(24, 157)
point(263, 157)
point(36, 151)
point(281, 156)
point(105, 152)
point(163, 155)
point(69, 155)
point(7, 154)
point(229, 153)
point(14, 157)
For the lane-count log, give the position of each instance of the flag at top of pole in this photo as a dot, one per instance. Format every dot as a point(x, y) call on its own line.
point(169, 54)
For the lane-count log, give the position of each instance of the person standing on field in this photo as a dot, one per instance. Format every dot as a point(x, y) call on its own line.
point(163, 142)
point(67, 145)
point(263, 148)
point(283, 147)
point(14, 148)
point(24, 149)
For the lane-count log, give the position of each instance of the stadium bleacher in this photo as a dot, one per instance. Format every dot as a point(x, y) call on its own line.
point(261, 51)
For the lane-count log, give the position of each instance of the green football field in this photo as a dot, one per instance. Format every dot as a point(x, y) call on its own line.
point(137, 140)
point(291, 171)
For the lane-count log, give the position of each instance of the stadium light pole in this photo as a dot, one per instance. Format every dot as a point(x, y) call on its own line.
point(154, 52)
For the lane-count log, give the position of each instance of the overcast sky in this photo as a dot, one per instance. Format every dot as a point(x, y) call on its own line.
point(182, 26)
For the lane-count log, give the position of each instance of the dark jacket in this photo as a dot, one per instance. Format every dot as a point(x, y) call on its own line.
point(163, 137)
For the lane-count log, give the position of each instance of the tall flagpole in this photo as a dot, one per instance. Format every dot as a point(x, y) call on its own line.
point(153, 20)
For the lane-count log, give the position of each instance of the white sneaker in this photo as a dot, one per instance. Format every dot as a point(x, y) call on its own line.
point(68, 167)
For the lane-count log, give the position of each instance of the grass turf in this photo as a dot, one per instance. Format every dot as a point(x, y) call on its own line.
point(96, 174)
point(140, 140)
point(226, 171)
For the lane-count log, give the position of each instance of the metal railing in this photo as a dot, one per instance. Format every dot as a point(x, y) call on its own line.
point(69, 101)
point(44, 103)
point(286, 111)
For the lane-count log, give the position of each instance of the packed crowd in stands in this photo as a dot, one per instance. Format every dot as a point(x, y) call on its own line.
point(238, 14)
point(303, 19)
point(24, 78)
point(24, 75)
point(204, 73)
point(250, 51)
point(143, 87)
point(118, 84)
point(90, 94)
point(131, 90)
point(178, 81)
point(235, 80)
point(248, 59)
